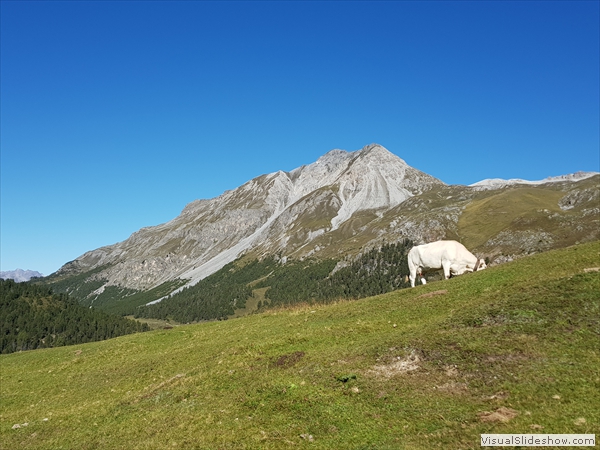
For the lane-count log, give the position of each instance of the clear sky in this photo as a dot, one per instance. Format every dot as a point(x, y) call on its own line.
point(115, 114)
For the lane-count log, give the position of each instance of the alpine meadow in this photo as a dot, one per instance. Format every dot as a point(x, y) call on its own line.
point(512, 349)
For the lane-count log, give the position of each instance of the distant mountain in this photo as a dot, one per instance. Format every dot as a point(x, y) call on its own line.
point(336, 208)
point(19, 275)
point(498, 183)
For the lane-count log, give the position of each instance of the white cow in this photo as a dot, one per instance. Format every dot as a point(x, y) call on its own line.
point(451, 256)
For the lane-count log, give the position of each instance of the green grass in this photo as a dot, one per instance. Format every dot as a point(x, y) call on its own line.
point(490, 215)
point(524, 336)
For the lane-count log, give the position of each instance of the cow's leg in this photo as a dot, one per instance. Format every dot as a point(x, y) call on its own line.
point(412, 269)
point(446, 266)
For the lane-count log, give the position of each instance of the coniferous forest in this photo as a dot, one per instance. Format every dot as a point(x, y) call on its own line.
point(32, 316)
point(215, 297)
point(377, 271)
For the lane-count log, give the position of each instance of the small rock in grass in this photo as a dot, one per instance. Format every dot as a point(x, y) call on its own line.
point(579, 421)
point(499, 396)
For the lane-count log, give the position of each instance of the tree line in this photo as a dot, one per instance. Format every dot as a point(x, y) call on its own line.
point(216, 297)
point(377, 271)
point(33, 316)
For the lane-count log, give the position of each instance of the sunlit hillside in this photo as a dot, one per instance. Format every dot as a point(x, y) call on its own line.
point(511, 349)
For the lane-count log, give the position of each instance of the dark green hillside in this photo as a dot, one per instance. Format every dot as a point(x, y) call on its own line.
point(112, 299)
point(511, 349)
point(219, 295)
point(34, 317)
point(214, 298)
point(377, 271)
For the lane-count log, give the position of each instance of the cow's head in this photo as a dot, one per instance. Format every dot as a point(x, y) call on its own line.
point(480, 265)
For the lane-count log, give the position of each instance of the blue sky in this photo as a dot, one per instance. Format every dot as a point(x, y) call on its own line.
point(115, 115)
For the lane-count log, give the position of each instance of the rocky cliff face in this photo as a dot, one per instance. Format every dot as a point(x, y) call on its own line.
point(276, 212)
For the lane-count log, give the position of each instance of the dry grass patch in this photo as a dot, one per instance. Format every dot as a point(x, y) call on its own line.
point(397, 366)
point(502, 414)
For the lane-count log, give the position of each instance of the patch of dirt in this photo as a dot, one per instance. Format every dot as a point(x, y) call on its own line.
point(433, 293)
point(398, 366)
point(451, 371)
point(502, 414)
point(289, 360)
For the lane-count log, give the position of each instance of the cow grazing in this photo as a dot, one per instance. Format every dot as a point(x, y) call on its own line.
point(451, 256)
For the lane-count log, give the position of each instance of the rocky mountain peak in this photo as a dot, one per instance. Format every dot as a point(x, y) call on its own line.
point(340, 196)
point(375, 150)
point(272, 207)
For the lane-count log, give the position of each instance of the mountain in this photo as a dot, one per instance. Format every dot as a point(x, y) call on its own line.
point(278, 212)
point(498, 183)
point(335, 208)
point(19, 275)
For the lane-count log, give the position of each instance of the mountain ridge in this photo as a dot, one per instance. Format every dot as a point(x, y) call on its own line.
point(20, 275)
point(498, 183)
point(238, 218)
point(337, 206)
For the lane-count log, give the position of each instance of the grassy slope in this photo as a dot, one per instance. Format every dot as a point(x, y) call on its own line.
point(524, 336)
point(528, 208)
point(489, 216)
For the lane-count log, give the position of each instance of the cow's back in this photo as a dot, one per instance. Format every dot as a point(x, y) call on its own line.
point(431, 255)
point(428, 255)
